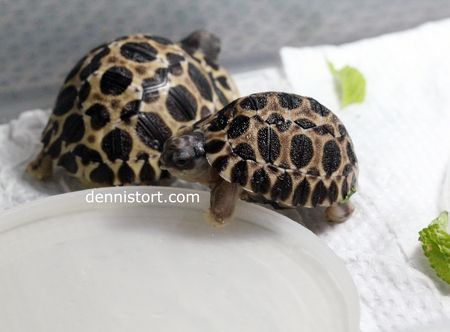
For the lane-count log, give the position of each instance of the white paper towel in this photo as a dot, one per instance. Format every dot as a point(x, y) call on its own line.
point(445, 199)
point(401, 139)
point(402, 144)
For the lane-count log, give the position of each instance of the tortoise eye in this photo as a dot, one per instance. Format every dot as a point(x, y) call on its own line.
point(182, 162)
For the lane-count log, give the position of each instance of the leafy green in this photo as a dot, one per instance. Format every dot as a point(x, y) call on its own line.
point(436, 245)
point(352, 191)
point(351, 84)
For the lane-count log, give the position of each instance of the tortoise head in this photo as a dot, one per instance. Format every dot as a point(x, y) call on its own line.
point(204, 42)
point(184, 156)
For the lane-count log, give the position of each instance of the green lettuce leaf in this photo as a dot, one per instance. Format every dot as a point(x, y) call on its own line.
point(436, 245)
point(351, 84)
point(352, 191)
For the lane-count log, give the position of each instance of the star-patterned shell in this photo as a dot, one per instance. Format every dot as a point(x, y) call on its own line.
point(290, 149)
point(121, 102)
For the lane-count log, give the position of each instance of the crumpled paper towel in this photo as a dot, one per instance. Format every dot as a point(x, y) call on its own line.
point(401, 138)
point(401, 141)
point(445, 200)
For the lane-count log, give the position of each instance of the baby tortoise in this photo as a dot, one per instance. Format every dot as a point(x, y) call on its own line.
point(123, 100)
point(277, 148)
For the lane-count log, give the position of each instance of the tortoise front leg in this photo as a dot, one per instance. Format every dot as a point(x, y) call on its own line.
point(223, 199)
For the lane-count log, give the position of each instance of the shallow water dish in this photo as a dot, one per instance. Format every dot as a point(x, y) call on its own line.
point(66, 264)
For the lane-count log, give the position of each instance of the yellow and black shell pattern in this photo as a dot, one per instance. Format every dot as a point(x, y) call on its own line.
point(121, 102)
point(289, 149)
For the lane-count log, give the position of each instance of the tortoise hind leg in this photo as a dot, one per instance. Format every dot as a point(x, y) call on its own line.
point(222, 202)
point(41, 167)
point(339, 212)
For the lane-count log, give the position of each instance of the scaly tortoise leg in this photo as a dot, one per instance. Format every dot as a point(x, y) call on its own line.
point(41, 167)
point(223, 199)
point(339, 212)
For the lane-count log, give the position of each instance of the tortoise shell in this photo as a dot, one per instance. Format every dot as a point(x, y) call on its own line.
point(121, 102)
point(287, 148)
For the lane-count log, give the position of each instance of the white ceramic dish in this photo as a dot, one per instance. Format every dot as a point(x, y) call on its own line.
point(70, 265)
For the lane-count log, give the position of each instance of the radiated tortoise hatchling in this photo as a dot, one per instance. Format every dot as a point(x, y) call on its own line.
point(121, 102)
point(273, 147)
